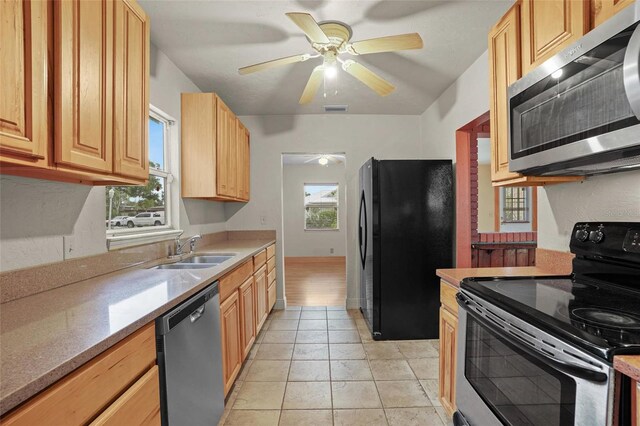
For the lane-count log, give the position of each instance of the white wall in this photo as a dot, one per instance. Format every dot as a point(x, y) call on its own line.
point(297, 241)
point(466, 99)
point(37, 216)
point(614, 198)
point(358, 136)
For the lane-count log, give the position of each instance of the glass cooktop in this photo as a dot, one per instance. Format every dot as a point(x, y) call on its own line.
point(605, 315)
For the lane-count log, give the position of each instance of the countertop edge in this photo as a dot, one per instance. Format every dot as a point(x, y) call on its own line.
point(628, 365)
point(455, 275)
point(12, 400)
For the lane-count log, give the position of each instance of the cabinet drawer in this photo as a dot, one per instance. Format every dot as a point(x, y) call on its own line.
point(271, 264)
point(259, 260)
point(139, 405)
point(271, 277)
point(271, 295)
point(271, 251)
point(230, 282)
point(448, 296)
point(83, 394)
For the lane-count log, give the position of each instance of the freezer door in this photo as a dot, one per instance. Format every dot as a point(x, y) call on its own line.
point(365, 239)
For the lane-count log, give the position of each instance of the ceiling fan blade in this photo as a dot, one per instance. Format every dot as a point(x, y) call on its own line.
point(387, 44)
point(313, 85)
point(273, 63)
point(376, 83)
point(309, 26)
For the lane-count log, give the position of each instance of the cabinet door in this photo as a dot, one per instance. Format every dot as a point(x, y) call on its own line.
point(247, 310)
point(231, 339)
point(504, 69)
point(131, 114)
point(23, 79)
point(448, 346)
point(262, 310)
point(548, 26)
point(601, 10)
point(84, 84)
point(243, 161)
point(225, 150)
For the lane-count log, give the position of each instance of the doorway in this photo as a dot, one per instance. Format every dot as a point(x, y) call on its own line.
point(496, 226)
point(314, 228)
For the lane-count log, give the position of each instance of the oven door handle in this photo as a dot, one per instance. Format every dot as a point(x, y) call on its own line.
point(569, 369)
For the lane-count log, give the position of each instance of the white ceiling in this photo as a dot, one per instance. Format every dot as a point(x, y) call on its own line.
point(311, 159)
point(210, 40)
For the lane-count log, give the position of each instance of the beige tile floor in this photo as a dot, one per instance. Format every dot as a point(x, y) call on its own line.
point(319, 366)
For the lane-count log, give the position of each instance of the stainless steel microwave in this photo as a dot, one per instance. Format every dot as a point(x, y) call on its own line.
point(579, 112)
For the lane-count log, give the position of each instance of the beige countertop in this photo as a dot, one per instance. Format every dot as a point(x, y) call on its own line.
point(628, 365)
point(456, 275)
point(45, 336)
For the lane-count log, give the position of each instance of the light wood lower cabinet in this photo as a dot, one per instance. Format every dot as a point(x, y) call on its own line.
point(139, 405)
point(231, 331)
point(248, 311)
point(88, 392)
point(262, 309)
point(448, 346)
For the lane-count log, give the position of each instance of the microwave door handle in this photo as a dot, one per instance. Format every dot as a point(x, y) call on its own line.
point(631, 72)
point(569, 369)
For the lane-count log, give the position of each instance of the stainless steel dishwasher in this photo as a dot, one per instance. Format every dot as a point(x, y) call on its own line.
point(190, 360)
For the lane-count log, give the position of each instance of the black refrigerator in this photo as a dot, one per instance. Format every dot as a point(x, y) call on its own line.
point(405, 233)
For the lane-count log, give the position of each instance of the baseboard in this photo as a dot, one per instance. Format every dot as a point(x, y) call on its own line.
point(280, 304)
point(315, 259)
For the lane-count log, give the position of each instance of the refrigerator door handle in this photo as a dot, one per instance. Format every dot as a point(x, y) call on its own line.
point(363, 248)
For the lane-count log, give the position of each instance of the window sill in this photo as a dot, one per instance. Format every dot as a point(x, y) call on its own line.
point(322, 230)
point(123, 239)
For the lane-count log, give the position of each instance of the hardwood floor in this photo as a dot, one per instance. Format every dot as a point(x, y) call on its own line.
point(315, 281)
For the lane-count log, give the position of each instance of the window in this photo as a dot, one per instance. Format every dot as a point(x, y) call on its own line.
point(138, 210)
point(320, 207)
point(515, 205)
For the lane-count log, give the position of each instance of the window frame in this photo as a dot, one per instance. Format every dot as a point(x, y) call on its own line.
point(304, 207)
point(527, 203)
point(131, 236)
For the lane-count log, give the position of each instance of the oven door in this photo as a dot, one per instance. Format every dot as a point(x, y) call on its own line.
point(500, 379)
point(581, 108)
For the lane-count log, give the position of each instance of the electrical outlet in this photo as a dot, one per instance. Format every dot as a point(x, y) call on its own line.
point(331, 250)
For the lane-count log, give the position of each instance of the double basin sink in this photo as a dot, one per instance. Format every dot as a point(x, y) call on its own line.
point(197, 262)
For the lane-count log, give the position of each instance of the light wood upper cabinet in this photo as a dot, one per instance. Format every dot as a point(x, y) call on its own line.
point(550, 25)
point(23, 80)
point(84, 35)
point(230, 327)
point(214, 162)
point(243, 162)
point(504, 70)
point(601, 10)
point(80, 112)
point(131, 86)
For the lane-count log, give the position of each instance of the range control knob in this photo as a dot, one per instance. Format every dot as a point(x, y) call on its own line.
point(596, 236)
point(582, 235)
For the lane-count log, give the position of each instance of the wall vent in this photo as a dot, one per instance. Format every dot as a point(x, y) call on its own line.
point(336, 108)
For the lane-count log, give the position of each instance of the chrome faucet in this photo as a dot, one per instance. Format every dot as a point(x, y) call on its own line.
point(191, 241)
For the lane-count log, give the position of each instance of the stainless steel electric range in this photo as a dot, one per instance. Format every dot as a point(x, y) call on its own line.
point(539, 350)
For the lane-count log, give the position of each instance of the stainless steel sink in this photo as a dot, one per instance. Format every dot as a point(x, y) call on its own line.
point(185, 266)
point(215, 259)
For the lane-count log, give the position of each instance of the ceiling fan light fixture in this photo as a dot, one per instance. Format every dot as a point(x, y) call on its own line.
point(323, 161)
point(330, 70)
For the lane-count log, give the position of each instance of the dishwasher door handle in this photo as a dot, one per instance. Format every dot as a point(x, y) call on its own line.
point(195, 315)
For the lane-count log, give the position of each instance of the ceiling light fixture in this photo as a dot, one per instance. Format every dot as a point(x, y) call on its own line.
point(323, 161)
point(330, 71)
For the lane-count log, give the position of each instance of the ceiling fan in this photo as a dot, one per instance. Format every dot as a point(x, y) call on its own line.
point(325, 159)
point(330, 39)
